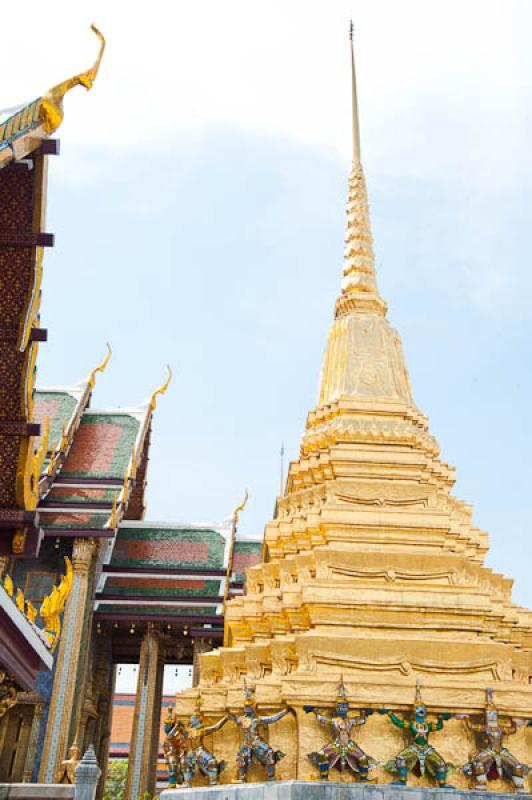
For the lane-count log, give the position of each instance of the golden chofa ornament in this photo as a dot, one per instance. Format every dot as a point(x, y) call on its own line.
point(52, 102)
point(53, 606)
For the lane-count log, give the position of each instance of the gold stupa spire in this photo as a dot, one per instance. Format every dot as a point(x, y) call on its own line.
point(359, 285)
point(363, 356)
point(354, 100)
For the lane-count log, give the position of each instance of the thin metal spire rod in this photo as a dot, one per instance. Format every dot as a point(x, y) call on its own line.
point(354, 109)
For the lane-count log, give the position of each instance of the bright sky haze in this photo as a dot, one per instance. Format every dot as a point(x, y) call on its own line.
point(199, 212)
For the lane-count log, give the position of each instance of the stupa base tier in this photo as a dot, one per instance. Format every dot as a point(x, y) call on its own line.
point(317, 790)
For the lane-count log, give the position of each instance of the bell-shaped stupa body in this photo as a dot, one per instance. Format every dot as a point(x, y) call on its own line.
point(372, 569)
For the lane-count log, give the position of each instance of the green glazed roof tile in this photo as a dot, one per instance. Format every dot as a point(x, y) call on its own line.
point(202, 611)
point(74, 519)
point(58, 407)
point(169, 547)
point(102, 446)
point(63, 495)
point(160, 587)
point(246, 554)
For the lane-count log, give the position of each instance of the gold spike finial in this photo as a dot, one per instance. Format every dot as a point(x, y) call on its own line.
point(8, 585)
point(52, 101)
point(354, 100)
point(113, 520)
point(19, 600)
point(101, 367)
point(31, 611)
point(161, 390)
point(125, 487)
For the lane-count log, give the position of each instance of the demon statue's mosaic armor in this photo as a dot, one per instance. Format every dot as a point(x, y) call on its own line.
point(342, 750)
point(419, 757)
point(254, 748)
point(174, 748)
point(197, 757)
point(493, 760)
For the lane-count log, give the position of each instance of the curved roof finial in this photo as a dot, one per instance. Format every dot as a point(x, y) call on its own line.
point(354, 99)
point(101, 367)
point(229, 570)
point(52, 101)
point(161, 390)
point(93, 71)
point(239, 508)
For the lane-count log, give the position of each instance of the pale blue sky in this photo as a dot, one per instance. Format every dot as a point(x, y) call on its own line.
point(208, 233)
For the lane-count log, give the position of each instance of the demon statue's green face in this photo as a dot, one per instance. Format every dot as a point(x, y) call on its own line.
point(421, 714)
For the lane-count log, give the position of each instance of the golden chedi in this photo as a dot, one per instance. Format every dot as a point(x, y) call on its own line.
point(372, 569)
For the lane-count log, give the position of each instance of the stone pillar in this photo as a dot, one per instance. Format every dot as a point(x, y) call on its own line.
point(146, 723)
point(104, 689)
point(25, 719)
point(103, 734)
point(66, 691)
point(200, 646)
point(81, 722)
point(32, 743)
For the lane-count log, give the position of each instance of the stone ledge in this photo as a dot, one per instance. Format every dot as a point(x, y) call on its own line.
point(36, 791)
point(314, 790)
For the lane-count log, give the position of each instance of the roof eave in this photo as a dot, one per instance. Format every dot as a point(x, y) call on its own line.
point(22, 145)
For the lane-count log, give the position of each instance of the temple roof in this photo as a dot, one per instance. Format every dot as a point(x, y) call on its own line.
point(87, 467)
point(99, 469)
point(172, 570)
point(94, 473)
point(104, 444)
point(172, 545)
point(160, 570)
